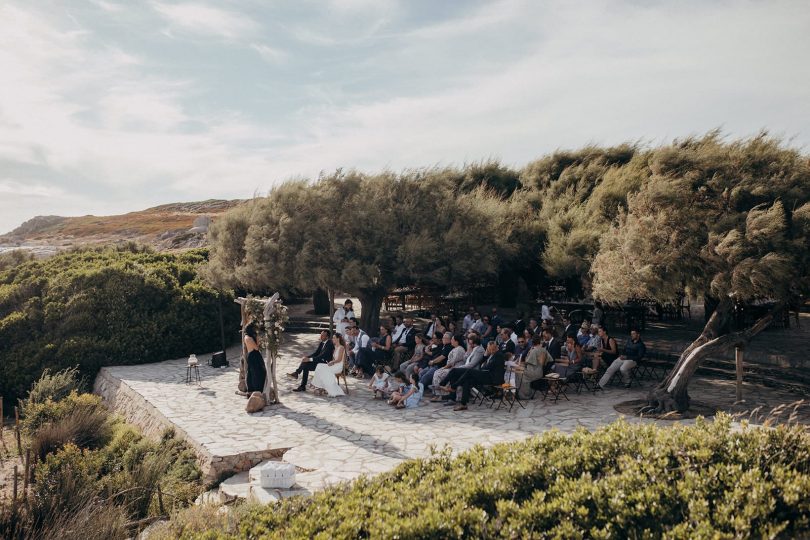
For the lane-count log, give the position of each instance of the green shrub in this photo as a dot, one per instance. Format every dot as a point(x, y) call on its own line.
point(80, 419)
point(50, 386)
point(623, 481)
point(97, 307)
point(38, 414)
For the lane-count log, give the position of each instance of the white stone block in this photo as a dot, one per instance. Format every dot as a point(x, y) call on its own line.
point(273, 474)
point(261, 495)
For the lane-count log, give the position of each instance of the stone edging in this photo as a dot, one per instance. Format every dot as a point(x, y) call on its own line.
point(136, 410)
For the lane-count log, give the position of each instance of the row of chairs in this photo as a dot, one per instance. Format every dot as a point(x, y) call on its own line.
point(655, 366)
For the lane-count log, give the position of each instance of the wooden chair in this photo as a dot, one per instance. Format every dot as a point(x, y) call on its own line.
point(343, 374)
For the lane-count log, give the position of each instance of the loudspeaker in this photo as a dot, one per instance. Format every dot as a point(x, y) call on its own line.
point(218, 359)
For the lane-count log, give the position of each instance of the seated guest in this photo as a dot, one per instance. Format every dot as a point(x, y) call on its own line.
point(584, 333)
point(403, 342)
point(455, 358)
point(419, 344)
point(535, 367)
point(519, 325)
point(450, 326)
point(521, 349)
point(381, 350)
point(506, 345)
point(534, 328)
point(571, 361)
point(410, 396)
point(469, 319)
point(474, 356)
point(552, 344)
point(438, 361)
point(594, 341)
point(325, 378)
point(360, 354)
point(487, 331)
point(490, 372)
point(495, 319)
point(322, 355)
point(398, 327)
point(570, 329)
point(256, 370)
point(634, 351)
point(433, 326)
point(431, 350)
point(378, 383)
point(608, 349)
point(478, 325)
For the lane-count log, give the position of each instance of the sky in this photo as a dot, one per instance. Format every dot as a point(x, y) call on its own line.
point(112, 106)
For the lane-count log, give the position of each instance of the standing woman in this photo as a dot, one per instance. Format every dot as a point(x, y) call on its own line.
point(325, 376)
point(256, 371)
point(382, 350)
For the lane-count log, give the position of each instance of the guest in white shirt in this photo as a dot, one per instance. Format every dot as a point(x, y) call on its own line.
point(469, 320)
point(341, 317)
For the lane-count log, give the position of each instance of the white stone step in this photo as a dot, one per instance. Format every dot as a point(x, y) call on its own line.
point(238, 486)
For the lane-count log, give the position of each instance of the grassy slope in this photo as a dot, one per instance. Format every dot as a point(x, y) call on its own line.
point(149, 222)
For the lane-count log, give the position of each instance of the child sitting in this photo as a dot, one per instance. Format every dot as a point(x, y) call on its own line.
point(410, 398)
point(379, 382)
point(394, 387)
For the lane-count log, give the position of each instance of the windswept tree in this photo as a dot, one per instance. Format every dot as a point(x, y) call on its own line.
point(581, 192)
point(362, 234)
point(728, 221)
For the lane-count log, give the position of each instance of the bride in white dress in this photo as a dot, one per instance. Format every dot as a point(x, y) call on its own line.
point(325, 376)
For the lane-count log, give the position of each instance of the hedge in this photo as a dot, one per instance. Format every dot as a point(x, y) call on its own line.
point(106, 306)
point(622, 481)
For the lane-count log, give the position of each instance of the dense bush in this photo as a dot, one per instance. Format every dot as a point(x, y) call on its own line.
point(623, 481)
point(95, 477)
point(97, 307)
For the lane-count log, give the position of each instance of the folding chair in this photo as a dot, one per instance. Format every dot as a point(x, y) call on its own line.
point(556, 386)
point(486, 393)
point(511, 393)
point(589, 381)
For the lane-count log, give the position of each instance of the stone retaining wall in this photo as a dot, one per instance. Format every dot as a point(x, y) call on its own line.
point(136, 410)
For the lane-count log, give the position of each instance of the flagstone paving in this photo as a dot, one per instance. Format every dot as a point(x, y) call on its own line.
point(335, 439)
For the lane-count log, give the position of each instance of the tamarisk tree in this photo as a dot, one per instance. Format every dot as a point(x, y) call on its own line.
point(727, 221)
point(361, 234)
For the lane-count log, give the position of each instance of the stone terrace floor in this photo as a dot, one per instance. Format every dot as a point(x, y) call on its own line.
point(341, 438)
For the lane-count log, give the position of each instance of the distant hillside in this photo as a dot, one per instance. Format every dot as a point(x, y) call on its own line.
point(166, 227)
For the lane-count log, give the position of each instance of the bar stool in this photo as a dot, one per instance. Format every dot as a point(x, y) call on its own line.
point(193, 371)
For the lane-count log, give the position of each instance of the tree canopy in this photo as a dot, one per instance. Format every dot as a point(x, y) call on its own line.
point(728, 221)
point(362, 234)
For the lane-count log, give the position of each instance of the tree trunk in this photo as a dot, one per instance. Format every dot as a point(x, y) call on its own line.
point(320, 302)
point(671, 394)
point(371, 305)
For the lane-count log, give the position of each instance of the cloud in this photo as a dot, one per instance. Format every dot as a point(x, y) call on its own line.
point(201, 20)
point(270, 54)
point(116, 122)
